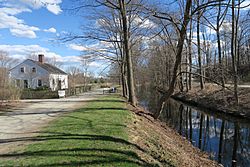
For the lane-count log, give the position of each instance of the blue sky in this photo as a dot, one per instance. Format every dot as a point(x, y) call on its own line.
point(31, 27)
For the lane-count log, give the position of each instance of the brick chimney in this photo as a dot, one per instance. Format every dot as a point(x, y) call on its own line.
point(41, 58)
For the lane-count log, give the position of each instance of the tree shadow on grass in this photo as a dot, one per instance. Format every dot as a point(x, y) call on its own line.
point(81, 156)
point(74, 100)
point(70, 136)
point(107, 100)
point(61, 111)
point(78, 149)
point(89, 123)
point(102, 108)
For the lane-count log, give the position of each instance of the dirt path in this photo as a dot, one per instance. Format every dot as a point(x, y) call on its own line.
point(27, 120)
point(239, 86)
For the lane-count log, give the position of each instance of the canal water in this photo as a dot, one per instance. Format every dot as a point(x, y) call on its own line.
point(224, 138)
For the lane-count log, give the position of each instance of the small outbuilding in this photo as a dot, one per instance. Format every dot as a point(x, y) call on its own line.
point(35, 74)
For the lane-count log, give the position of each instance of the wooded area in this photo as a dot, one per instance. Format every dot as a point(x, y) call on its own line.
point(169, 45)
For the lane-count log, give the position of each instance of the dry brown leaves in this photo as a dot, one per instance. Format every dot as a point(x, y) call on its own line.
point(162, 145)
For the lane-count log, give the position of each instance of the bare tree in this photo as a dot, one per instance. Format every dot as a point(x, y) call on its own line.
point(181, 39)
point(86, 60)
point(115, 27)
point(54, 61)
point(131, 88)
point(73, 75)
point(7, 91)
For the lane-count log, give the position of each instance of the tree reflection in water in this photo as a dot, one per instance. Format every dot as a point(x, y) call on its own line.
point(227, 140)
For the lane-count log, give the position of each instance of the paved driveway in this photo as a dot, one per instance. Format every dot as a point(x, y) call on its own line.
point(27, 120)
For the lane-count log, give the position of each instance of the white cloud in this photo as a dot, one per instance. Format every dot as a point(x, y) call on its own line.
point(52, 5)
point(77, 47)
point(246, 4)
point(143, 22)
point(20, 33)
point(99, 62)
point(209, 30)
point(11, 8)
point(136, 20)
point(54, 9)
point(14, 11)
point(95, 64)
point(22, 51)
point(148, 24)
point(16, 26)
point(72, 59)
point(226, 26)
point(100, 46)
point(52, 30)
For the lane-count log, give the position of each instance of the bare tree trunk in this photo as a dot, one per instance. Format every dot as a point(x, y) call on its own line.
point(237, 55)
point(234, 64)
point(190, 55)
point(126, 86)
point(181, 39)
point(219, 46)
point(131, 87)
point(199, 47)
point(205, 56)
point(181, 87)
point(123, 80)
point(186, 68)
point(167, 68)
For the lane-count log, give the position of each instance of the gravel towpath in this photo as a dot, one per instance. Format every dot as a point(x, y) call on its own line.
point(26, 121)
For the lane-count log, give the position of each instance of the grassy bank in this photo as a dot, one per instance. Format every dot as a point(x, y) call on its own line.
point(92, 136)
point(216, 99)
point(105, 133)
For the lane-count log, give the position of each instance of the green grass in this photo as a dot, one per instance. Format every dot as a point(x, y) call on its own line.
point(95, 135)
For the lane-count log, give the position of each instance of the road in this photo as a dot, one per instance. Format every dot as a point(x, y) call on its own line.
point(35, 114)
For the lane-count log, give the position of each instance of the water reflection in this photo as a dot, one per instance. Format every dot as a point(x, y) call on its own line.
point(227, 140)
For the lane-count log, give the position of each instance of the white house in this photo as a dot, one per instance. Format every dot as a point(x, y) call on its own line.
point(34, 74)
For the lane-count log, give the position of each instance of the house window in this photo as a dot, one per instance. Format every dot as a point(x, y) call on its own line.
point(22, 69)
point(39, 83)
point(25, 84)
point(34, 70)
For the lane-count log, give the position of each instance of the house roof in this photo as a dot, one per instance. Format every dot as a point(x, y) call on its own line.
point(50, 68)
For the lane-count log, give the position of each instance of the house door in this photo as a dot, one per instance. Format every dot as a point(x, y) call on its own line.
point(59, 84)
point(25, 84)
